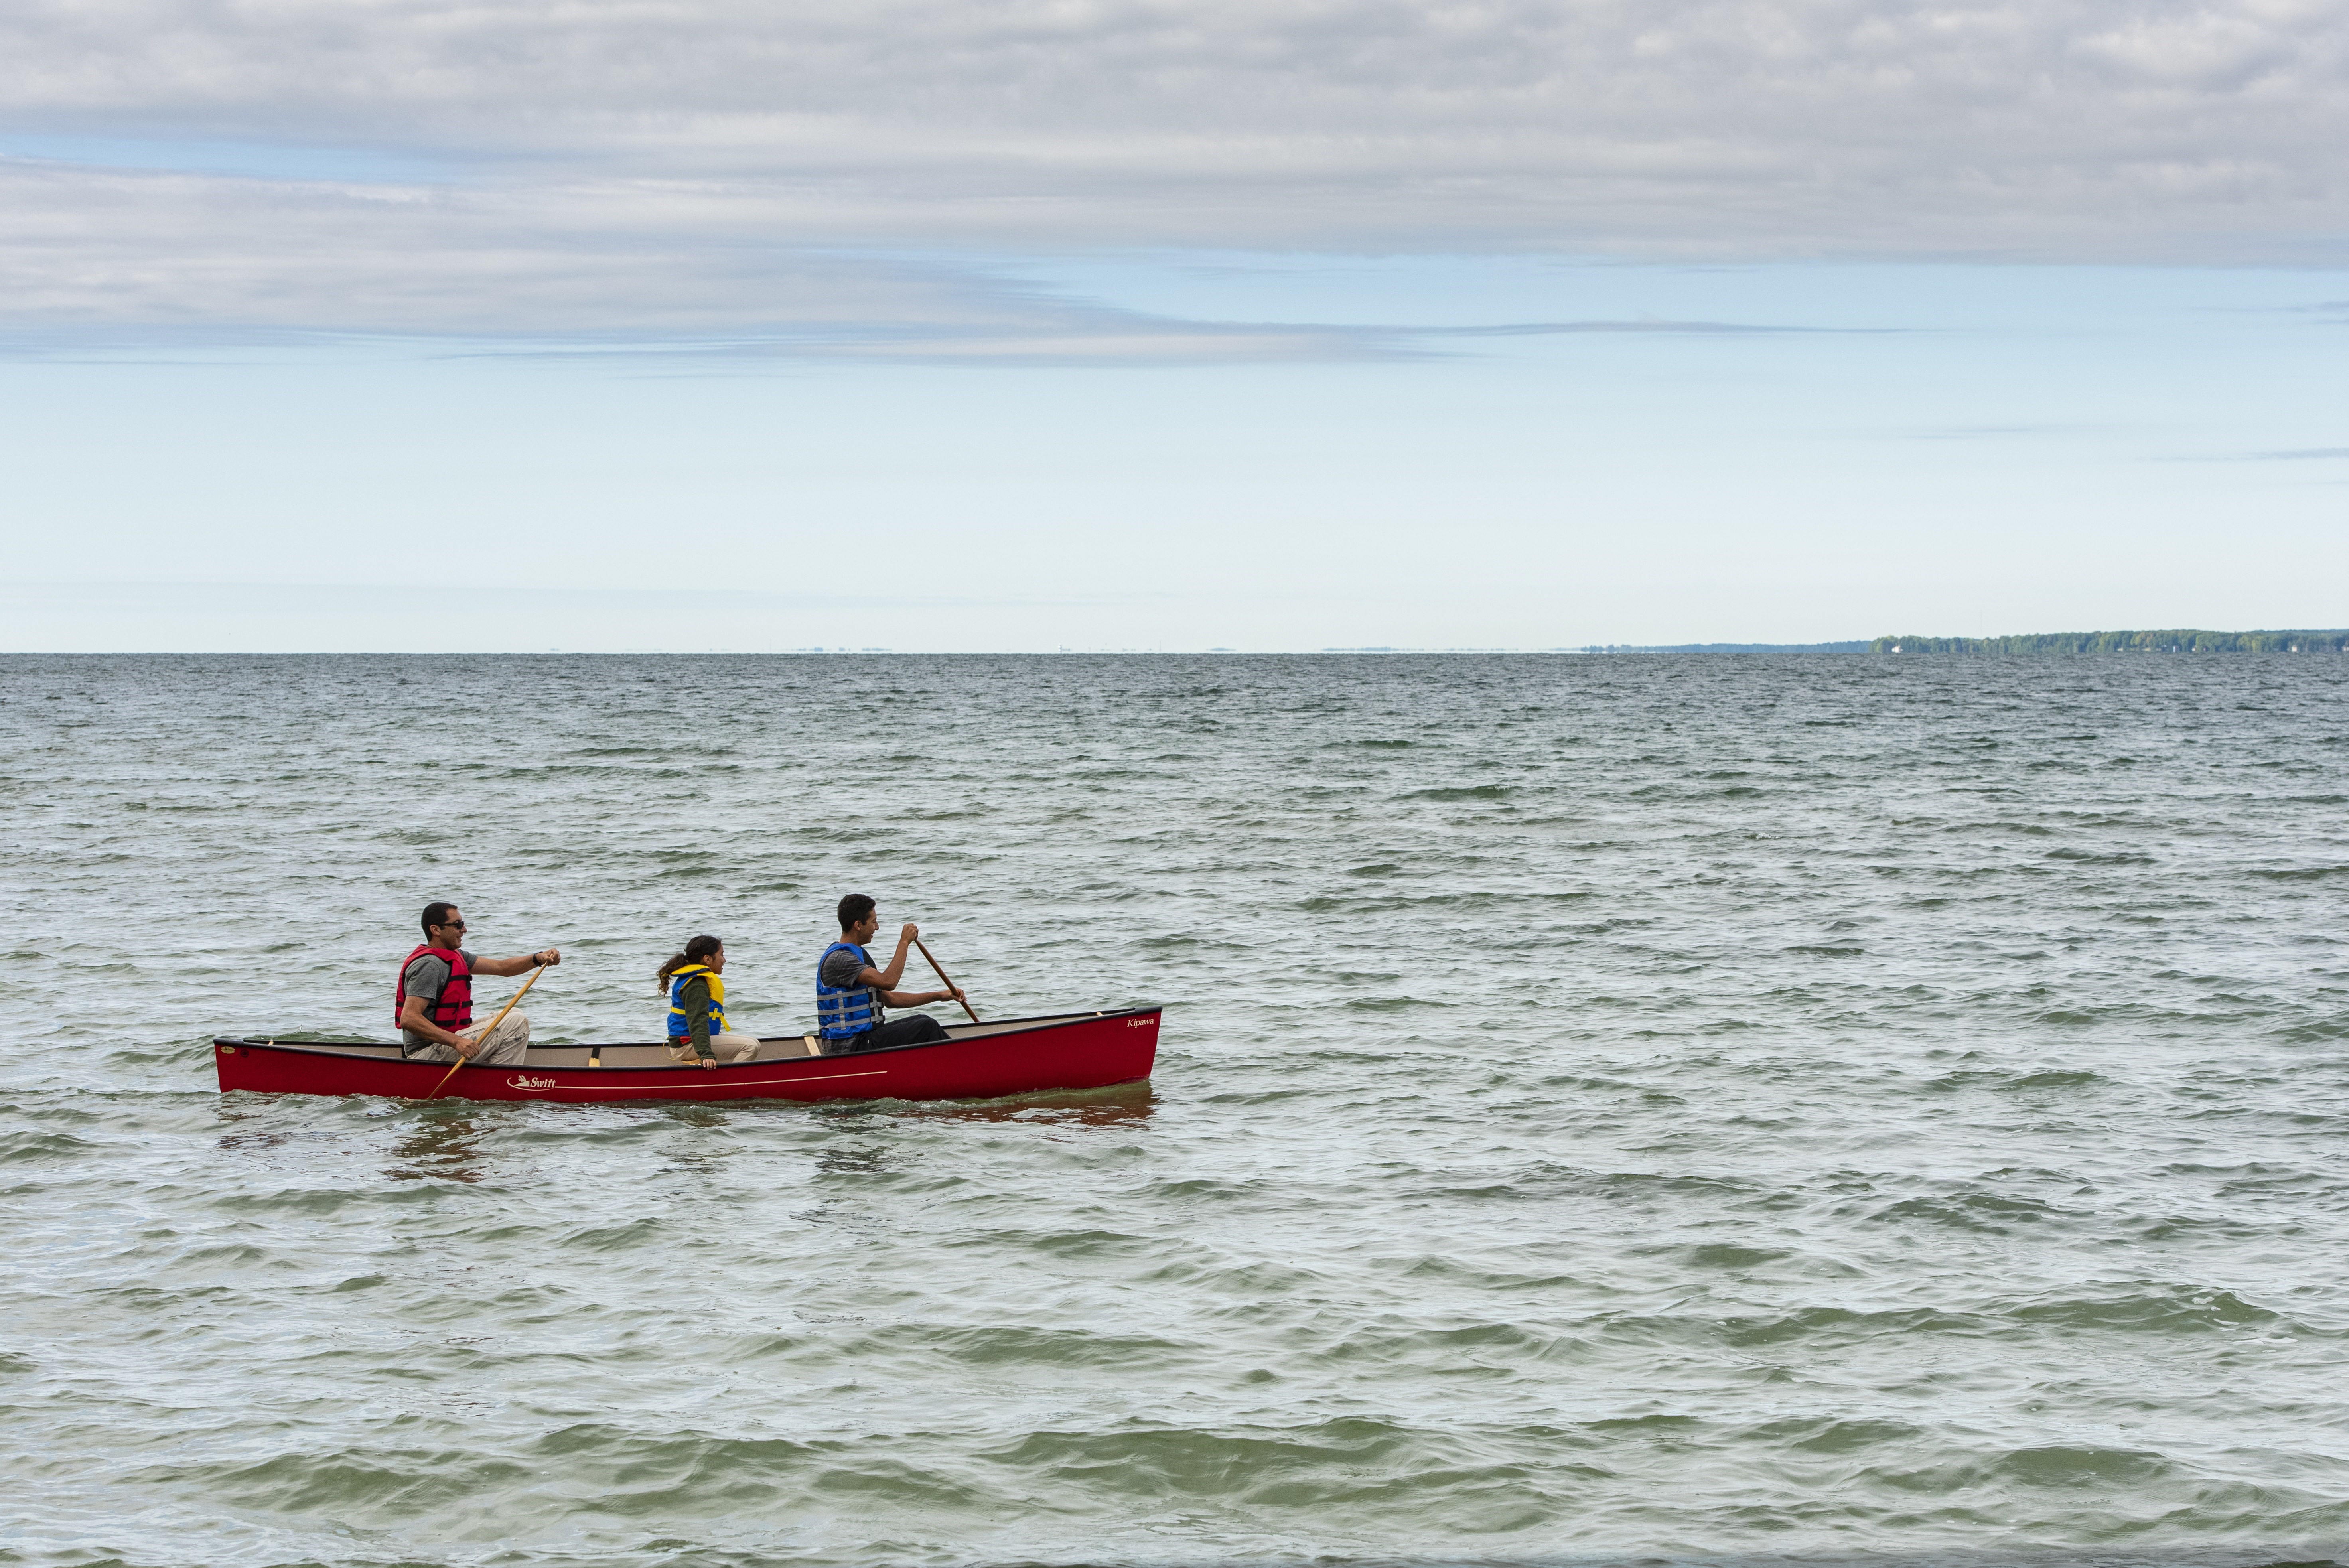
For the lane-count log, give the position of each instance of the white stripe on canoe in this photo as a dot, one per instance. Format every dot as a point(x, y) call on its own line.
point(740, 1083)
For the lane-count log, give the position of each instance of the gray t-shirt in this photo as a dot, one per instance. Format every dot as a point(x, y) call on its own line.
point(427, 976)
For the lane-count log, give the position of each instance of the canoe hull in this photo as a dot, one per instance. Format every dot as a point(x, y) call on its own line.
point(1090, 1050)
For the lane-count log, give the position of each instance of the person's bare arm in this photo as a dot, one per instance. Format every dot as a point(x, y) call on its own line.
point(916, 998)
point(883, 979)
point(411, 1017)
point(519, 965)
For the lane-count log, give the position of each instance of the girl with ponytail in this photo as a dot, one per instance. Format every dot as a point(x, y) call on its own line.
point(697, 1005)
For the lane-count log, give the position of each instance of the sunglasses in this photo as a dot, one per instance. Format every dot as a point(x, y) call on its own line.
point(451, 925)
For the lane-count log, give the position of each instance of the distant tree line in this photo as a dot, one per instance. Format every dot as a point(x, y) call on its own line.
point(2179, 641)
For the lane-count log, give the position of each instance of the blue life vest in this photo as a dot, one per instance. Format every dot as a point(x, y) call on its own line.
point(680, 1025)
point(843, 1014)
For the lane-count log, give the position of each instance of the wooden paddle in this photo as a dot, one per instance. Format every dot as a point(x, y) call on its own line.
point(461, 1061)
point(942, 974)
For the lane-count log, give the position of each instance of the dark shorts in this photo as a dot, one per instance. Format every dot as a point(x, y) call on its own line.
point(913, 1029)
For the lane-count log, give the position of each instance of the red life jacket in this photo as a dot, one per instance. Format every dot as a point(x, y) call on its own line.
point(454, 1011)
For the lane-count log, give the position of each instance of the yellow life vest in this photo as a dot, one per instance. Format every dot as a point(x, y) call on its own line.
point(680, 1025)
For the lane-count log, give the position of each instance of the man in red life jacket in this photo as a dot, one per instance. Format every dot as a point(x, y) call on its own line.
point(435, 1001)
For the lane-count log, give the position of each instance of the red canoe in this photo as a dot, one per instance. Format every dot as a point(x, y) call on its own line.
point(976, 1061)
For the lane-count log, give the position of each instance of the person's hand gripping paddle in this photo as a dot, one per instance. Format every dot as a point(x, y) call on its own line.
point(482, 1040)
point(942, 976)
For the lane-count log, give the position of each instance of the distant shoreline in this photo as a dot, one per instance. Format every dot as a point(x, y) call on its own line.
point(2163, 642)
point(2180, 641)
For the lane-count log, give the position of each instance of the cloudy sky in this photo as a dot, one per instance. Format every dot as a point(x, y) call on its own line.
point(1282, 324)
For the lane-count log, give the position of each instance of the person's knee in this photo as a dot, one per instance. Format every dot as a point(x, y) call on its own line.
point(506, 1045)
point(919, 1029)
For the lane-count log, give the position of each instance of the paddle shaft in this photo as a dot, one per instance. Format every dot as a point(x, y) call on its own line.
point(942, 974)
point(461, 1058)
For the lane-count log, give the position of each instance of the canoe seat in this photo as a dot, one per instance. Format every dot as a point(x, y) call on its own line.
point(785, 1050)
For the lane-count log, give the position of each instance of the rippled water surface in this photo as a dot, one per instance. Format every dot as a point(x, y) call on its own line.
point(1662, 1108)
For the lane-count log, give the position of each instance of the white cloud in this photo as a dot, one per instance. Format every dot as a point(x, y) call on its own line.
point(655, 166)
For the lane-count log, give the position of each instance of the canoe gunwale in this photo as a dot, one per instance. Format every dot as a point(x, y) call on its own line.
point(996, 1029)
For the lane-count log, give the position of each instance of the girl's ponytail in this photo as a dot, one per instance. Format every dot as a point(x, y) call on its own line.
point(697, 951)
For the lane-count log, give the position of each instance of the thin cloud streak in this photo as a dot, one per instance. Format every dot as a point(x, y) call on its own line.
point(1666, 329)
point(119, 262)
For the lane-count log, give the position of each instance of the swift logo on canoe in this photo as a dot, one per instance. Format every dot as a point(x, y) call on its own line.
point(525, 1080)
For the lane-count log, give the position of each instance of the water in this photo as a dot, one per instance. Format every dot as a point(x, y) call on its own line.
point(1646, 1109)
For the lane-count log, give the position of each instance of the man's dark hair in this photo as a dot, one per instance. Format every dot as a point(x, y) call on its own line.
point(437, 914)
point(853, 908)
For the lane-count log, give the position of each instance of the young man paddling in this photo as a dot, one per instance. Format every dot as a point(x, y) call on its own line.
point(434, 1004)
point(849, 991)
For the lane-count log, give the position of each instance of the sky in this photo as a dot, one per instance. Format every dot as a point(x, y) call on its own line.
point(1285, 326)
